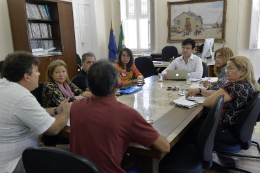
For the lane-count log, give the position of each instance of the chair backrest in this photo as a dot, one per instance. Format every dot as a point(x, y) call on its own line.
point(1, 68)
point(205, 140)
point(78, 63)
point(168, 52)
point(145, 66)
point(38, 92)
point(247, 120)
point(56, 160)
point(205, 70)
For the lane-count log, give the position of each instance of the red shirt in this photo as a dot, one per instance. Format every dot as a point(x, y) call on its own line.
point(102, 128)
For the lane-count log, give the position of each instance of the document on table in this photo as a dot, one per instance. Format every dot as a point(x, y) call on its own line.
point(182, 101)
point(197, 99)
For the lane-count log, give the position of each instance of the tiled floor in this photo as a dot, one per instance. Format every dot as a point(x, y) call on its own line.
point(251, 165)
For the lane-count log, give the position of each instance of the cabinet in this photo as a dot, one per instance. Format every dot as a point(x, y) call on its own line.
point(61, 21)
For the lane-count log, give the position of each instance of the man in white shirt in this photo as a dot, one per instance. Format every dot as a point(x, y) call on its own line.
point(187, 61)
point(22, 119)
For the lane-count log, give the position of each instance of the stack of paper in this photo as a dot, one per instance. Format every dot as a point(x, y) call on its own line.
point(184, 103)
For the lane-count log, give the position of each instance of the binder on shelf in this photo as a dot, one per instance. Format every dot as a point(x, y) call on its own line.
point(47, 11)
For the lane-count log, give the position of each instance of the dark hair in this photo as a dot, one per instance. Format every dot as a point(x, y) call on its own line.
point(189, 41)
point(130, 63)
point(85, 55)
point(102, 76)
point(17, 64)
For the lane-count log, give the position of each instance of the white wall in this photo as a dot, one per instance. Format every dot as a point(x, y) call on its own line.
point(6, 44)
point(107, 10)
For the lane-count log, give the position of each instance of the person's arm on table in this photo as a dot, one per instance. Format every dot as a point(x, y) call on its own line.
point(204, 92)
point(59, 108)
point(172, 66)
point(60, 121)
point(208, 102)
point(161, 144)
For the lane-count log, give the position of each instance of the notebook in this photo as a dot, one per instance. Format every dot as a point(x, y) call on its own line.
point(177, 74)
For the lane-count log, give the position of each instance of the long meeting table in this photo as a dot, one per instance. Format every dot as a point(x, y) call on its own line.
point(153, 102)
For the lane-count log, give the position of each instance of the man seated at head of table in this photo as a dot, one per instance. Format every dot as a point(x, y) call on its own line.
point(222, 56)
point(101, 128)
point(238, 91)
point(22, 117)
point(57, 88)
point(81, 79)
point(126, 68)
point(187, 61)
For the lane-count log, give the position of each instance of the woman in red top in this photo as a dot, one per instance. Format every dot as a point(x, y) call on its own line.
point(126, 68)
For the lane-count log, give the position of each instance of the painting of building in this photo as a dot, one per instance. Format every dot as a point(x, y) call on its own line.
point(187, 21)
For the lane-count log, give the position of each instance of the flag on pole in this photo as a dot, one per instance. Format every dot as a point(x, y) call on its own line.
point(112, 44)
point(121, 42)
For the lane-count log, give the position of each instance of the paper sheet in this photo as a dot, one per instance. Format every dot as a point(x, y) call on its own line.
point(184, 103)
point(197, 99)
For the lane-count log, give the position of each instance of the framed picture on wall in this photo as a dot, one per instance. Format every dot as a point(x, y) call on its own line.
point(197, 19)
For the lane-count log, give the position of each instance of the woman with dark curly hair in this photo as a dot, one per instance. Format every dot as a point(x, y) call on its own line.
point(126, 68)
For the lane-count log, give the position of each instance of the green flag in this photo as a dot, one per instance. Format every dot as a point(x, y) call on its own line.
point(121, 42)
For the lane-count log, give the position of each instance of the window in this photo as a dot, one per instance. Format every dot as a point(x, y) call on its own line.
point(135, 17)
point(178, 22)
point(255, 25)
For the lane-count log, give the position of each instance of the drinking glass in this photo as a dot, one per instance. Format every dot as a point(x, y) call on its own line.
point(160, 77)
point(188, 79)
point(140, 80)
point(181, 88)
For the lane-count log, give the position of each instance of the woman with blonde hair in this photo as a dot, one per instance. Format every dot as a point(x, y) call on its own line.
point(221, 57)
point(238, 92)
point(57, 88)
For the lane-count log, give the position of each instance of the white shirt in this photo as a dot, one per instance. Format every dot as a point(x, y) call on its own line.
point(194, 66)
point(22, 120)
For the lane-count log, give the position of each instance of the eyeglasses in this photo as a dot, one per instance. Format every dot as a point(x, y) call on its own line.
point(229, 68)
point(217, 57)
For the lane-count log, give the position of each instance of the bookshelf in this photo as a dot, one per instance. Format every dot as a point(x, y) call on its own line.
point(61, 35)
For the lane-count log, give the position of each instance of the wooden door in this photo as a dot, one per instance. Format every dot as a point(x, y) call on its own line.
point(68, 37)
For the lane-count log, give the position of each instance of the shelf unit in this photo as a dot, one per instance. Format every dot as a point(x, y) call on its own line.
point(62, 31)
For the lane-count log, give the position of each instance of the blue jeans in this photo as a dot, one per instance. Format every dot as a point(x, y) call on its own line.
point(134, 169)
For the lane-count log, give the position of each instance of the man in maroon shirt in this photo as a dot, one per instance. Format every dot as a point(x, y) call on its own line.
point(102, 128)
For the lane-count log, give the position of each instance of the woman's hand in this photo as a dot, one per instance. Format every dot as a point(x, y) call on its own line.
point(134, 80)
point(206, 84)
point(86, 94)
point(192, 92)
point(165, 76)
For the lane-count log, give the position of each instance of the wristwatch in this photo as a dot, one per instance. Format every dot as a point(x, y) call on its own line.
point(55, 111)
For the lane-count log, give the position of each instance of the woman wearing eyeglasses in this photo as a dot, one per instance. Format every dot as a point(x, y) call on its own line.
point(238, 91)
point(222, 55)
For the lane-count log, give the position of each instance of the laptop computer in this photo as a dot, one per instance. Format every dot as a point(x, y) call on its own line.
point(177, 74)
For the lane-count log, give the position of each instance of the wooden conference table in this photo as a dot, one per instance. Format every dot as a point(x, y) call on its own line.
point(171, 121)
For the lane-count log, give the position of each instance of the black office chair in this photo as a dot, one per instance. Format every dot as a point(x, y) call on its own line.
point(205, 70)
point(38, 92)
point(78, 63)
point(186, 158)
point(169, 52)
point(56, 160)
point(243, 131)
point(145, 66)
point(1, 68)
